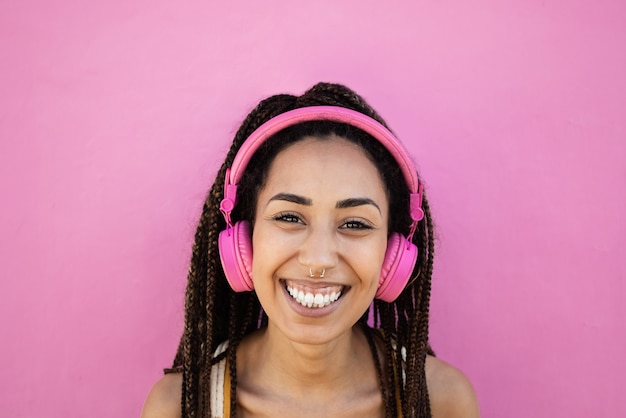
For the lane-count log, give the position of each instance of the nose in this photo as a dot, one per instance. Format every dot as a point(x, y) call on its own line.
point(319, 251)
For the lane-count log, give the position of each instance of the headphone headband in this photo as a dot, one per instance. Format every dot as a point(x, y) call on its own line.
point(330, 113)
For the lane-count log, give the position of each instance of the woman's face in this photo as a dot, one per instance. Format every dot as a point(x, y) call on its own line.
point(323, 209)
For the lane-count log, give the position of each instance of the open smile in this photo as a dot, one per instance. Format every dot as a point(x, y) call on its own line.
point(314, 297)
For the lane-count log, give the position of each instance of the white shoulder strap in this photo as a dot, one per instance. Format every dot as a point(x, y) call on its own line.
point(218, 372)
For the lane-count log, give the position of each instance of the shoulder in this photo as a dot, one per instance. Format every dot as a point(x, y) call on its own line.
point(451, 393)
point(164, 398)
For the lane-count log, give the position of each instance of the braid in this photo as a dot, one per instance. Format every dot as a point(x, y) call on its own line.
point(214, 313)
point(387, 394)
point(415, 400)
point(232, 356)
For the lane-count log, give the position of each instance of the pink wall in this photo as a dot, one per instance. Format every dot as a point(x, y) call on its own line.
point(114, 116)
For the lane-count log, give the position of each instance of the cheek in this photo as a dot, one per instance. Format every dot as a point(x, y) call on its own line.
point(368, 259)
point(268, 249)
point(259, 250)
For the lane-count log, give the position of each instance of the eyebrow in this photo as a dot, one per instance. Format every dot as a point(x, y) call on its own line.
point(342, 204)
point(293, 198)
point(356, 201)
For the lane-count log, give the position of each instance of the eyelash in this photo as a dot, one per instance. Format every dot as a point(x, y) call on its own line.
point(356, 224)
point(287, 217)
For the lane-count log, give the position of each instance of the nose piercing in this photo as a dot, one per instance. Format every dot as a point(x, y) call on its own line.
point(321, 276)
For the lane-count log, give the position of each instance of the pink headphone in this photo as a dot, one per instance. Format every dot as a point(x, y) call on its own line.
point(235, 244)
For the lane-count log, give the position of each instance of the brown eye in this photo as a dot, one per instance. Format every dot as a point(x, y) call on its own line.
point(356, 224)
point(287, 218)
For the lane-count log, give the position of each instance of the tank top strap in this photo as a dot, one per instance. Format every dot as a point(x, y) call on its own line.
point(220, 385)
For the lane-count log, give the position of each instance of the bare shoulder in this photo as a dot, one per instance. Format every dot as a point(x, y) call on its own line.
point(451, 393)
point(163, 401)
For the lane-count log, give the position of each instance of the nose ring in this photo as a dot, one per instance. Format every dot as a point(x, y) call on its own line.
point(321, 276)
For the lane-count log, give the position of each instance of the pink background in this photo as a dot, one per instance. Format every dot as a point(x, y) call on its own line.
point(115, 114)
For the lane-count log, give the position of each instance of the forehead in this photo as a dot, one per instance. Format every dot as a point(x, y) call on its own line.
point(329, 165)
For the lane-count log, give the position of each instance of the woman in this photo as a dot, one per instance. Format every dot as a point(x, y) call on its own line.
point(309, 284)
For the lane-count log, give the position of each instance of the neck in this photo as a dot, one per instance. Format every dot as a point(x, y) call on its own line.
point(304, 368)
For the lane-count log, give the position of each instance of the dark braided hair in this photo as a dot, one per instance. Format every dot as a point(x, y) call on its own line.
point(214, 313)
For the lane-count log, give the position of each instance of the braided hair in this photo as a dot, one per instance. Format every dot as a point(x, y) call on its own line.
point(214, 313)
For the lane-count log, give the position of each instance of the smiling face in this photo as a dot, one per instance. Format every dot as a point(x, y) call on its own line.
point(323, 208)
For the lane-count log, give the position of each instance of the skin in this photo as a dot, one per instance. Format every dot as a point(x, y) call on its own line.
point(317, 212)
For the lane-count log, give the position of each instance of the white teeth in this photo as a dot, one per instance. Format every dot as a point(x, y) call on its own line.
point(311, 300)
point(319, 300)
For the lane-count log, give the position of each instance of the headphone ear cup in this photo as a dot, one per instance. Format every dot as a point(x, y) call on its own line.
point(235, 246)
point(398, 265)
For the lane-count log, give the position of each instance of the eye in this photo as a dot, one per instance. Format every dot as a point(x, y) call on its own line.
point(287, 217)
point(356, 224)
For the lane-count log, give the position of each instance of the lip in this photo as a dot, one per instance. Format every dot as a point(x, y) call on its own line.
point(312, 284)
point(313, 312)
